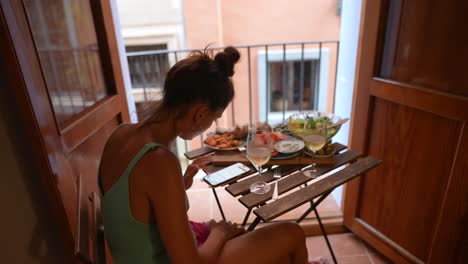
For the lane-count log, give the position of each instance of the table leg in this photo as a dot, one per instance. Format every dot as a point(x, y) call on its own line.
point(313, 206)
point(254, 224)
point(246, 217)
point(219, 204)
point(306, 213)
point(324, 232)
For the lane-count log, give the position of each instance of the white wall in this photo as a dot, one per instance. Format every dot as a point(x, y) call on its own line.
point(349, 36)
point(145, 22)
point(124, 63)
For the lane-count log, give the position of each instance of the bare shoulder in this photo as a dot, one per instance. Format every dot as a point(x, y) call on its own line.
point(158, 167)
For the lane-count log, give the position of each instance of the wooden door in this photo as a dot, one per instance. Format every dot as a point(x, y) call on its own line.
point(64, 60)
point(410, 109)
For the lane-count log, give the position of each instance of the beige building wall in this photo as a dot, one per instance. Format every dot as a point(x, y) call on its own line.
point(202, 23)
point(195, 24)
point(229, 22)
point(259, 21)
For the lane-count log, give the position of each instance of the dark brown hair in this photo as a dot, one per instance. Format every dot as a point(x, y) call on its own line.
point(200, 79)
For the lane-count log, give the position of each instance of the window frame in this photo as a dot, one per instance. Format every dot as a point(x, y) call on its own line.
point(152, 93)
point(323, 55)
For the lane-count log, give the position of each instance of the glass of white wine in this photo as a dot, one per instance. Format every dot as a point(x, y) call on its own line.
point(258, 148)
point(314, 136)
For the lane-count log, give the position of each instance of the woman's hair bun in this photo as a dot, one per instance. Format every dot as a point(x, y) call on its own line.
point(226, 59)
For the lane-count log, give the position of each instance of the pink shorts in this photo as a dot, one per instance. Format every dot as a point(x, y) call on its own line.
point(201, 231)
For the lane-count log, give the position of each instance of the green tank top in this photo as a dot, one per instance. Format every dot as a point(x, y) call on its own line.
point(130, 241)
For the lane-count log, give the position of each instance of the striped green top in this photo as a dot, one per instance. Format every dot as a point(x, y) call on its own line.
point(130, 241)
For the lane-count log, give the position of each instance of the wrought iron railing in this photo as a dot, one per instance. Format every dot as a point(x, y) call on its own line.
point(290, 76)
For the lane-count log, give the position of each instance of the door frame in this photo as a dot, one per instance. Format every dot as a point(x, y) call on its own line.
point(50, 143)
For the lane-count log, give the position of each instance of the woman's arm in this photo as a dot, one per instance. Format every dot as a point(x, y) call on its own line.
point(220, 232)
point(165, 191)
point(193, 169)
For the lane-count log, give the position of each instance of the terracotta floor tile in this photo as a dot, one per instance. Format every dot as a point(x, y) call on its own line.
point(200, 205)
point(370, 250)
point(376, 257)
point(233, 209)
point(348, 248)
point(343, 245)
point(316, 247)
point(379, 259)
point(363, 259)
point(199, 184)
point(329, 206)
point(347, 244)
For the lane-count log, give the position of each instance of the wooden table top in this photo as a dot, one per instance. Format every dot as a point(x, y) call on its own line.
point(330, 176)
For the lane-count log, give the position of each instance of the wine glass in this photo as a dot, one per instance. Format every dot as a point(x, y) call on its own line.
point(314, 136)
point(258, 148)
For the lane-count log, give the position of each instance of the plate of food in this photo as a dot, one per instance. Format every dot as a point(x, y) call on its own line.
point(284, 146)
point(226, 139)
point(282, 156)
point(283, 128)
point(289, 145)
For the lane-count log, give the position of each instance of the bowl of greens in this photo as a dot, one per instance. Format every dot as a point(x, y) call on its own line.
point(313, 119)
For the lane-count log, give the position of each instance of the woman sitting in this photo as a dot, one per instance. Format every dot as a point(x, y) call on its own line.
point(144, 204)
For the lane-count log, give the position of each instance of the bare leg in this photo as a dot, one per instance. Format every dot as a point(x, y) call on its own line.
point(274, 243)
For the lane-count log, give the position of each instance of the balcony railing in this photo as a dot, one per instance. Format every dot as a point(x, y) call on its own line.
point(272, 80)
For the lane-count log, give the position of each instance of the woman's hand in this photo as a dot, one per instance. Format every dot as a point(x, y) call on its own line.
point(193, 169)
point(225, 230)
point(220, 232)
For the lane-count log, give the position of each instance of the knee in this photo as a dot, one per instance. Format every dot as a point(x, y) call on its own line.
point(292, 230)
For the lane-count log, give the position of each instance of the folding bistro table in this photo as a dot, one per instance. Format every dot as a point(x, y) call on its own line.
point(303, 189)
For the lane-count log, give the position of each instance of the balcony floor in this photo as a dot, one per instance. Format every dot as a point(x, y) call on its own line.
point(348, 247)
point(203, 206)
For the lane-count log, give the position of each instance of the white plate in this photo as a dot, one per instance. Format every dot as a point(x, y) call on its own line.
point(282, 156)
point(233, 148)
point(289, 146)
point(216, 148)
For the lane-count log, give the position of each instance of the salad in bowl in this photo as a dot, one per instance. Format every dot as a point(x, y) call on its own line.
point(314, 119)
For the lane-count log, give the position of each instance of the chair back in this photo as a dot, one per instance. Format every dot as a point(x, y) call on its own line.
point(82, 225)
point(99, 242)
point(90, 242)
